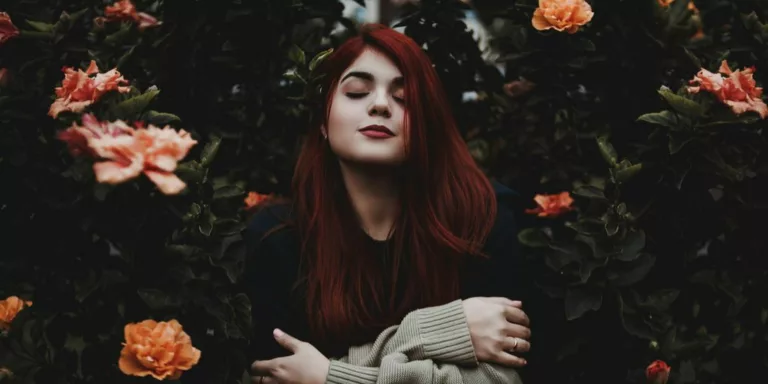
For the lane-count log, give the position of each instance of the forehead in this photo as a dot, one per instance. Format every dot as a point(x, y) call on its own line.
point(375, 63)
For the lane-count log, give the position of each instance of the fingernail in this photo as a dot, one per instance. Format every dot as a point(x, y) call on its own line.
point(278, 333)
point(525, 361)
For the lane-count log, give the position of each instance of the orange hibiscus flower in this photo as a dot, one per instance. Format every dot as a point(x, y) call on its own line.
point(129, 151)
point(9, 308)
point(552, 205)
point(80, 89)
point(124, 10)
point(739, 90)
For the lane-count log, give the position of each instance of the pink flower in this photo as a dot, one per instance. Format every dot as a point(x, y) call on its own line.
point(128, 152)
point(739, 90)
point(7, 29)
point(80, 89)
point(124, 10)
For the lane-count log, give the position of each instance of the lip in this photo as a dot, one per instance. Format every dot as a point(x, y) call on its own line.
point(377, 131)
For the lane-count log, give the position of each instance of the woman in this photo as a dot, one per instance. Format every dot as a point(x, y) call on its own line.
point(393, 263)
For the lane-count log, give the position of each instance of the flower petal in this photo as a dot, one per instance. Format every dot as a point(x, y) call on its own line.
point(112, 172)
point(168, 183)
point(539, 21)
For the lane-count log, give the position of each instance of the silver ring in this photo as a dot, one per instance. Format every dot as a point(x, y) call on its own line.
point(514, 347)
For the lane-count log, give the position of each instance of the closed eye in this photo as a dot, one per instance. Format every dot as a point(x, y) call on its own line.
point(353, 95)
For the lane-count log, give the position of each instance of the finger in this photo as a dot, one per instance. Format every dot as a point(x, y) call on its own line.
point(516, 316)
point(287, 341)
point(519, 331)
point(269, 380)
point(264, 367)
point(263, 380)
point(516, 345)
point(510, 360)
point(505, 301)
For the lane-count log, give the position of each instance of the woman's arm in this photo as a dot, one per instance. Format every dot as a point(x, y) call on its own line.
point(399, 354)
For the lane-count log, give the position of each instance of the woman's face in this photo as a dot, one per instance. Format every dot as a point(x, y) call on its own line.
point(367, 116)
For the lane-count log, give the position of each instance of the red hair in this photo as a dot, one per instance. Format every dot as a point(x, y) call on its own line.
point(448, 207)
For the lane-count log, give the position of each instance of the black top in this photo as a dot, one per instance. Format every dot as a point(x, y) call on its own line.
point(272, 273)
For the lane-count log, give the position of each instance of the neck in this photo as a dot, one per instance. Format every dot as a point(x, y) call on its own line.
point(374, 195)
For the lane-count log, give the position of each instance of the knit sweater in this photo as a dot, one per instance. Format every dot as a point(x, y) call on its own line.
point(429, 345)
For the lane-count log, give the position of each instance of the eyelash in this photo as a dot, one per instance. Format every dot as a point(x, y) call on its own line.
point(353, 95)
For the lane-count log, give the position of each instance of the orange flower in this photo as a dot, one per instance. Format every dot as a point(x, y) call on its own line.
point(552, 205)
point(562, 15)
point(124, 10)
point(130, 151)
point(9, 308)
point(7, 29)
point(161, 350)
point(3, 77)
point(657, 372)
point(79, 89)
point(739, 90)
point(665, 3)
point(253, 199)
point(77, 136)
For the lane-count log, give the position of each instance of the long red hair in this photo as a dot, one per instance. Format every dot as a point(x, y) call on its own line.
point(448, 206)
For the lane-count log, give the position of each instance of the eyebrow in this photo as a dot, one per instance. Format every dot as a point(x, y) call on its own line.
point(398, 81)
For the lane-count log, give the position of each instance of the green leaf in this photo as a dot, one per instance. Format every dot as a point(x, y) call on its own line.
point(587, 226)
point(579, 300)
point(660, 300)
point(626, 174)
point(533, 237)
point(590, 192)
point(40, 26)
point(319, 58)
point(634, 323)
point(228, 191)
point(624, 274)
point(118, 36)
point(633, 243)
point(226, 227)
point(132, 108)
point(664, 118)
point(607, 151)
point(210, 150)
point(191, 171)
point(682, 104)
point(160, 119)
point(157, 299)
point(296, 55)
point(612, 224)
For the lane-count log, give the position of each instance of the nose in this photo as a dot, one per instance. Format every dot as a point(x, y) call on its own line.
point(380, 105)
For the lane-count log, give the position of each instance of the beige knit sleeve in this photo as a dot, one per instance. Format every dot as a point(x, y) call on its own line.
point(431, 345)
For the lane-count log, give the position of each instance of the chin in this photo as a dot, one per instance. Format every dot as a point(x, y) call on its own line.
point(374, 159)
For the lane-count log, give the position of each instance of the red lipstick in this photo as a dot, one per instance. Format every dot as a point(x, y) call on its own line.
point(377, 132)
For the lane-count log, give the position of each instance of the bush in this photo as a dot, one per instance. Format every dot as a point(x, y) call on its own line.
point(657, 257)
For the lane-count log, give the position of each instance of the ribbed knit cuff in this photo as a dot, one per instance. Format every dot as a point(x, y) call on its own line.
point(445, 334)
point(343, 373)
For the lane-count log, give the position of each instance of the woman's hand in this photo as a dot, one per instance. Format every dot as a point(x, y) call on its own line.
point(306, 366)
point(498, 327)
